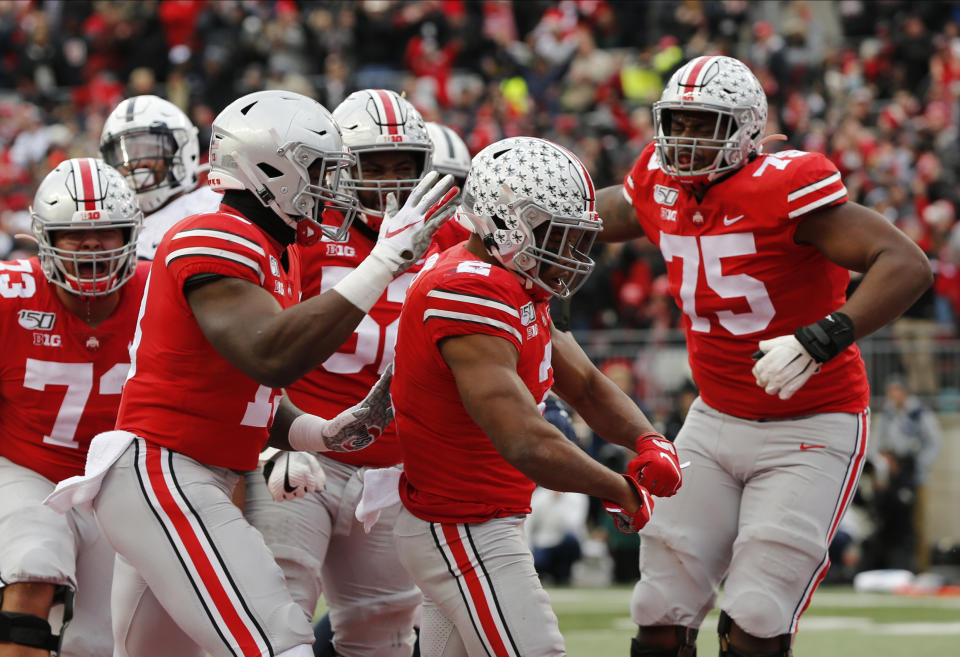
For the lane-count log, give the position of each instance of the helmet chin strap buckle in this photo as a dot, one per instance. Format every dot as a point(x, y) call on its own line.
point(308, 232)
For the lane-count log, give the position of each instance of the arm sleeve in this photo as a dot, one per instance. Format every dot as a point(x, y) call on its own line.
point(468, 304)
point(815, 183)
point(211, 245)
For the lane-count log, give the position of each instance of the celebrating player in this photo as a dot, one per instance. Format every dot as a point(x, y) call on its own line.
point(219, 334)
point(66, 320)
point(757, 248)
point(317, 541)
point(476, 354)
point(153, 143)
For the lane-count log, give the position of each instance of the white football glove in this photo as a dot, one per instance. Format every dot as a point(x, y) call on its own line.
point(293, 475)
point(784, 367)
point(405, 234)
point(351, 430)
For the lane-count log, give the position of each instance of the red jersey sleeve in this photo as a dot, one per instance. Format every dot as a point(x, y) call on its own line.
point(470, 299)
point(814, 183)
point(215, 244)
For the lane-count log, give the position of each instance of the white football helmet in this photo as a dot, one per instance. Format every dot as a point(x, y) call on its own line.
point(726, 87)
point(79, 194)
point(153, 143)
point(376, 121)
point(287, 149)
point(450, 153)
point(532, 203)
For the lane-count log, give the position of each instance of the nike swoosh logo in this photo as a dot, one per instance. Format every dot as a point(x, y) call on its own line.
point(287, 488)
point(400, 230)
point(670, 461)
point(730, 222)
point(806, 446)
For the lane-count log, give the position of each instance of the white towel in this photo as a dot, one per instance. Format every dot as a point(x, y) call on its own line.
point(81, 490)
point(381, 489)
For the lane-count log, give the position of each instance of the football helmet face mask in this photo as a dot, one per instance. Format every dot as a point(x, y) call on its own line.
point(82, 194)
point(377, 121)
point(725, 88)
point(153, 143)
point(533, 204)
point(287, 149)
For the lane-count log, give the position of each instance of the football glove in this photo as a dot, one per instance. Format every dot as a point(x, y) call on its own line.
point(405, 234)
point(656, 466)
point(785, 363)
point(784, 367)
point(291, 475)
point(626, 522)
point(351, 430)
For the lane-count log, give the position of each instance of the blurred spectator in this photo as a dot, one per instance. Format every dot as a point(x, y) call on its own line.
point(903, 448)
point(874, 85)
point(684, 397)
point(555, 528)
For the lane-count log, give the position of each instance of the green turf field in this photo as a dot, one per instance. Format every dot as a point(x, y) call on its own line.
point(596, 623)
point(839, 623)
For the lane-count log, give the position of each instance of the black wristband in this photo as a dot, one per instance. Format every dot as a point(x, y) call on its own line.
point(826, 338)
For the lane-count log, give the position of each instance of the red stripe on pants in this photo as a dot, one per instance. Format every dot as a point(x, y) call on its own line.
point(472, 580)
point(197, 555)
point(847, 494)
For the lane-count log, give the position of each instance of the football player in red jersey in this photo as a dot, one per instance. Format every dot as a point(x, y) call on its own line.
point(758, 248)
point(155, 145)
point(66, 321)
point(318, 542)
point(220, 332)
point(476, 356)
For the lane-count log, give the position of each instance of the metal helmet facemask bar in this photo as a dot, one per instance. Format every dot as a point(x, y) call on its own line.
point(156, 147)
point(270, 143)
point(725, 88)
point(80, 194)
point(533, 204)
point(379, 121)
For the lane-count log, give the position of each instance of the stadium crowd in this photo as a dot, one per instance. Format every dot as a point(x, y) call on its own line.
point(874, 85)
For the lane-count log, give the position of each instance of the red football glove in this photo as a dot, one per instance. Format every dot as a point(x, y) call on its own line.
point(626, 522)
point(656, 465)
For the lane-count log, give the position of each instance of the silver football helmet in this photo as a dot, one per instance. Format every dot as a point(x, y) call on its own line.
point(86, 193)
point(153, 143)
point(377, 121)
point(532, 203)
point(450, 153)
point(287, 149)
point(725, 87)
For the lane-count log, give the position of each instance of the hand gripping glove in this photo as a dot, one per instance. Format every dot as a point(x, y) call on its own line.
point(405, 235)
point(353, 429)
point(656, 465)
point(788, 361)
point(626, 522)
point(291, 475)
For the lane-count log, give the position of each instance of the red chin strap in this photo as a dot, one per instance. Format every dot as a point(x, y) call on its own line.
point(308, 232)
